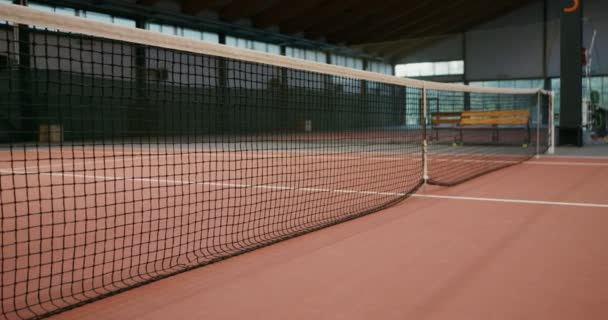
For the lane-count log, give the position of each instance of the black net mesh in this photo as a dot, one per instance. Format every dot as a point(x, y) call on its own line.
point(461, 151)
point(123, 162)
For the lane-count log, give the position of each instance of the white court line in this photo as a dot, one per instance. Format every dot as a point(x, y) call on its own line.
point(212, 184)
point(262, 157)
point(520, 201)
point(65, 163)
point(474, 161)
point(271, 155)
point(572, 157)
point(306, 189)
point(129, 158)
point(580, 164)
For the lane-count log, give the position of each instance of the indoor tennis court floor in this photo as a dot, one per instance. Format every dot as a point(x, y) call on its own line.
point(526, 242)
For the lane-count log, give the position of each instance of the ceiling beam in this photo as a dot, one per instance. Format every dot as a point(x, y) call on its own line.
point(458, 23)
point(325, 12)
point(403, 51)
point(239, 9)
point(387, 47)
point(193, 7)
point(478, 12)
point(358, 16)
point(147, 2)
point(441, 20)
point(380, 24)
point(283, 11)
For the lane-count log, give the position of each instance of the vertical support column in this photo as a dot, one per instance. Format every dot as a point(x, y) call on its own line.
point(399, 94)
point(330, 98)
point(222, 112)
point(284, 97)
point(138, 118)
point(28, 113)
point(467, 95)
point(364, 118)
point(571, 73)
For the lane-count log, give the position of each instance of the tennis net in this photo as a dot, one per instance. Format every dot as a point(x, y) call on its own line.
point(127, 156)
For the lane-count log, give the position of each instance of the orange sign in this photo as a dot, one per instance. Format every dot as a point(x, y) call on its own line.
point(574, 7)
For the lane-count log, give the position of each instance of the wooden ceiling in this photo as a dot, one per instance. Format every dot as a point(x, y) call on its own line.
point(386, 28)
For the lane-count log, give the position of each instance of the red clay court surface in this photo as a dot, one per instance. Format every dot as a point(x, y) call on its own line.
point(525, 242)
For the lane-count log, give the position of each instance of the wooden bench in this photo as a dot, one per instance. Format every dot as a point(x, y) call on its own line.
point(444, 118)
point(482, 120)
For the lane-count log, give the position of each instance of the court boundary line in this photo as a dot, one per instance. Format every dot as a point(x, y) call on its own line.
point(576, 164)
point(312, 189)
point(130, 158)
point(571, 157)
point(211, 184)
point(270, 154)
point(516, 201)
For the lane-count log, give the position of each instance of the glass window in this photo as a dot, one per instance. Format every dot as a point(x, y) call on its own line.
point(192, 34)
point(98, 16)
point(306, 54)
point(426, 69)
point(310, 55)
point(346, 61)
point(442, 68)
point(456, 67)
point(379, 67)
point(66, 11)
point(294, 52)
point(259, 46)
point(162, 28)
point(124, 22)
point(273, 48)
point(153, 27)
point(211, 37)
point(231, 41)
point(505, 84)
point(402, 70)
point(253, 45)
point(42, 7)
point(168, 29)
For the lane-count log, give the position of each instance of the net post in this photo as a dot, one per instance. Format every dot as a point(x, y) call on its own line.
point(538, 122)
point(425, 160)
point(551, 123)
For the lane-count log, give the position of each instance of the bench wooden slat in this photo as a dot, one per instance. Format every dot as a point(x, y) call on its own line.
point(496, 117)
point(445, 117)
point(497, 113)
point(488, 121)
point(482, 119)
point(453, 121)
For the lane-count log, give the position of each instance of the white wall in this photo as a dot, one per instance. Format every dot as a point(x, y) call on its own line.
point(596, 17)
point(446, 49)
point(510, 47)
